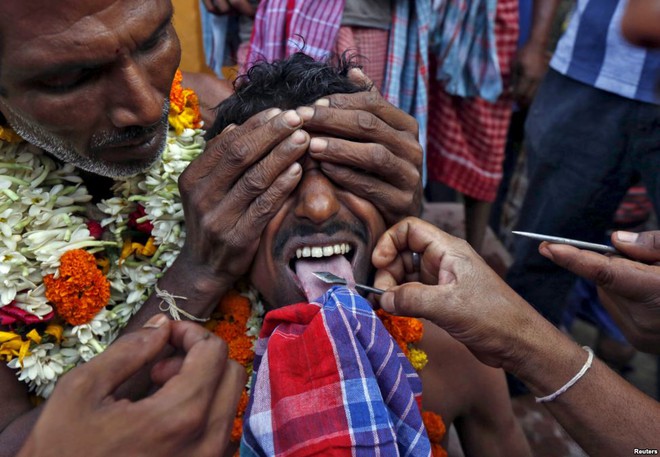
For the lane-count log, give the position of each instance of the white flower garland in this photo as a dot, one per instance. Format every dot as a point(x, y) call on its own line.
point(43, 213)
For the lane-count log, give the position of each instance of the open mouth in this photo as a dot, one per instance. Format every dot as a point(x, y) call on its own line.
point(336, 258)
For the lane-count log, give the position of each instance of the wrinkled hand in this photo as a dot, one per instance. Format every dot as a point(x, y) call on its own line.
point(375, 152)
point(230, 7)
point(191, 414)
point(235, 187)
point(629, 290)
point(529, 68)
point(456, 290)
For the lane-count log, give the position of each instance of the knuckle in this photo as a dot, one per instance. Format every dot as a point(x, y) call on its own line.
point(185, 181)
point(373, 98)
point(75, 384)
point(367, 121)
point(188, 421)
point(604, 276)
point(653, 239)
point(251, 182)
point(417, 156)
point(463, 250)
point(413, 126)
point(381, 155)
point(264, 204)
point(237, 154)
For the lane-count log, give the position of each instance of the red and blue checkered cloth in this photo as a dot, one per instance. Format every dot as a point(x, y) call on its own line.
point(330, 380)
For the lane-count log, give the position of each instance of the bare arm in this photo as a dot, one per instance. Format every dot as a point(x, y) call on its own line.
point(460, 293)
point(604, 413)
point(531, 61)
point(471, 395)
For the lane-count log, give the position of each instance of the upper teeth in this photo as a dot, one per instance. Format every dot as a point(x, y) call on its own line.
point(322, 251)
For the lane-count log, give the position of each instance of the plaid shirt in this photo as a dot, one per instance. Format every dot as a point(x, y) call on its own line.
point(283, 27)
point(463, 39)
point(330, 380)
point(407, 73)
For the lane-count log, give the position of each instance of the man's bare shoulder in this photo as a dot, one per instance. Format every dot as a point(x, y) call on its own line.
point(470, 394)
point(454, 379)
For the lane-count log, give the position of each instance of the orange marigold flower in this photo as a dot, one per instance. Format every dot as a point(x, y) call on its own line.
point(402, 329)
point(235, 309)
point(437, 450)
point(435, 427)
point(228, 330)
point(237, 429)
point(80, 291)
point(184, 107)
point(240, 349)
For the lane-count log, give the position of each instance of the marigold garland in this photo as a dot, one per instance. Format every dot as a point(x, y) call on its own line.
point(436, 430)
point(229, 322)
point(406, 331)
point(46, 211)
point(81, 290)
point(184, 107)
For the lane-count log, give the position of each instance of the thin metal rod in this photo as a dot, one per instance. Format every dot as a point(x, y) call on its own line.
point(373, 290)
point(578, 244)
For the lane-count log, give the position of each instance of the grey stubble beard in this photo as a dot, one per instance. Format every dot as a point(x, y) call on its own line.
point(65, 151)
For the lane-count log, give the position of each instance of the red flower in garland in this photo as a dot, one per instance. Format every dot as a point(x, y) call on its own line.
point(95, 229)
point(11, 314)
point(144, 227)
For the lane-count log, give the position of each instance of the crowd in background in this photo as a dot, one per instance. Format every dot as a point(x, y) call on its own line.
point(535, 115)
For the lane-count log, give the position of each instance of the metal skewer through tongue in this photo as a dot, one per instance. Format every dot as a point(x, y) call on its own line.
point(331, 278)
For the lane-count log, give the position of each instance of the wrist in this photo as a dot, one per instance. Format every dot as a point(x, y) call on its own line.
point(545, 359)
point(199, 283)
point(537, 45)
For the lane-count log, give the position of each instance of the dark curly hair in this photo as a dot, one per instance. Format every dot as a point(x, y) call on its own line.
point(286, 84)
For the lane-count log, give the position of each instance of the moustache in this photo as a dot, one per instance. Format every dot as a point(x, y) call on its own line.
point(108, 139)
point(329, 229)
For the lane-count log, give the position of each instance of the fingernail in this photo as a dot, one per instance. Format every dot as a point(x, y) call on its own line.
point(292, 118)
point(318, 145)
point(294, 169)
point(322, 102)
point(156, 321)
point(271, 113)
point(299, 137)
point(545, 251)
point(387, 302)
point(305, 112)
point(228, 128)
point(627, 237)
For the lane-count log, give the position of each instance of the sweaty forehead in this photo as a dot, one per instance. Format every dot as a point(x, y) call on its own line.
point(37, 33)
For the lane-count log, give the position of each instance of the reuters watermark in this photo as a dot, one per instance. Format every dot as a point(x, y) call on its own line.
point(645, 451)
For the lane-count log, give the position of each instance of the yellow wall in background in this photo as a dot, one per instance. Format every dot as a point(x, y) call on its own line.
point(188, 27)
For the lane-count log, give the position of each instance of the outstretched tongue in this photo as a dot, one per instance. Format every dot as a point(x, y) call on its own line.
point(313, 286)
